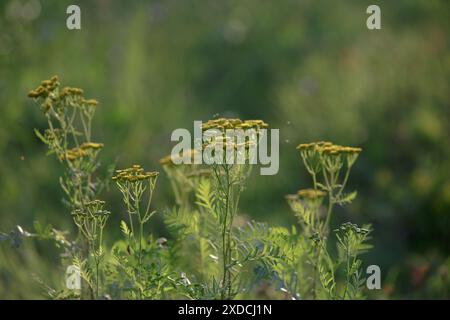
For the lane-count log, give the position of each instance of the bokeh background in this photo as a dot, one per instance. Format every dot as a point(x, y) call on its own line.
point(308, 67)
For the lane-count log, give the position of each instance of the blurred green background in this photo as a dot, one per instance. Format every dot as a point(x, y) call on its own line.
point(308, 67)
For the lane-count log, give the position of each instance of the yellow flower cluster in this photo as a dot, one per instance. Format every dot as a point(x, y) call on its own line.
point(90, 102)
point(134, 174)
point(310, 197)
point(306, 194)
point(82, 151)
point(314, 145)
point(45, 88)
point(225, 123)
point(228, 142)
point(310, 194)
point(49, 92)
point(91, 145)
point(73, 154)
point(67, 91)
point(327, 147)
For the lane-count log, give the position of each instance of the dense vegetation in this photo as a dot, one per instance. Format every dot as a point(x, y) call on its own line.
point(310, 68)
point(198, 262)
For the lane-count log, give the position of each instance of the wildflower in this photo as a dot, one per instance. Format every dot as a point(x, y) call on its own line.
point(95, 209)
point(350, 150)
point(75, 91)
point(310, 194)
point(256, 123)
point(39, 92)
point(305, 200)
point(90, 102)
point(74, 154)
point(317, 146)
point(326, 147)
point(44, 89)
point(63, 93)
point(134, 174)
point(224, 124)
point(330, 155)
point(91, 145)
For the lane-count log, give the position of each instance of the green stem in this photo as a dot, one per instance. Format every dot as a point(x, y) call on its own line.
point(347, 253)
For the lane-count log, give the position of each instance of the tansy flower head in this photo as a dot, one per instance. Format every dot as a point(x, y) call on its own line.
point(90, 102)
point(75, 91)
point(134, 174)
point(256, 124)
point(314, 145)
point(73, 154)
point(351, 150)
point(91, 145)
point(230, 123)
point(39, 92)
point(310, 194)
point(44, 89)
point(328, 148)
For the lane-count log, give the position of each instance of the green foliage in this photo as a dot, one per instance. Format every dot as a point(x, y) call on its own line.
point(275, 60)
point(210, 256)
point(309, 258)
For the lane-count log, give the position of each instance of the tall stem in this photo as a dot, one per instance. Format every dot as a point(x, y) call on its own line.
point(226, 237)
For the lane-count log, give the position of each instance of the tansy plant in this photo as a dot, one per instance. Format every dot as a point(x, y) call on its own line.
point(68, 135)
point(134, 183)
point(206, 223)
point(212, 252)
point(329, 166)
